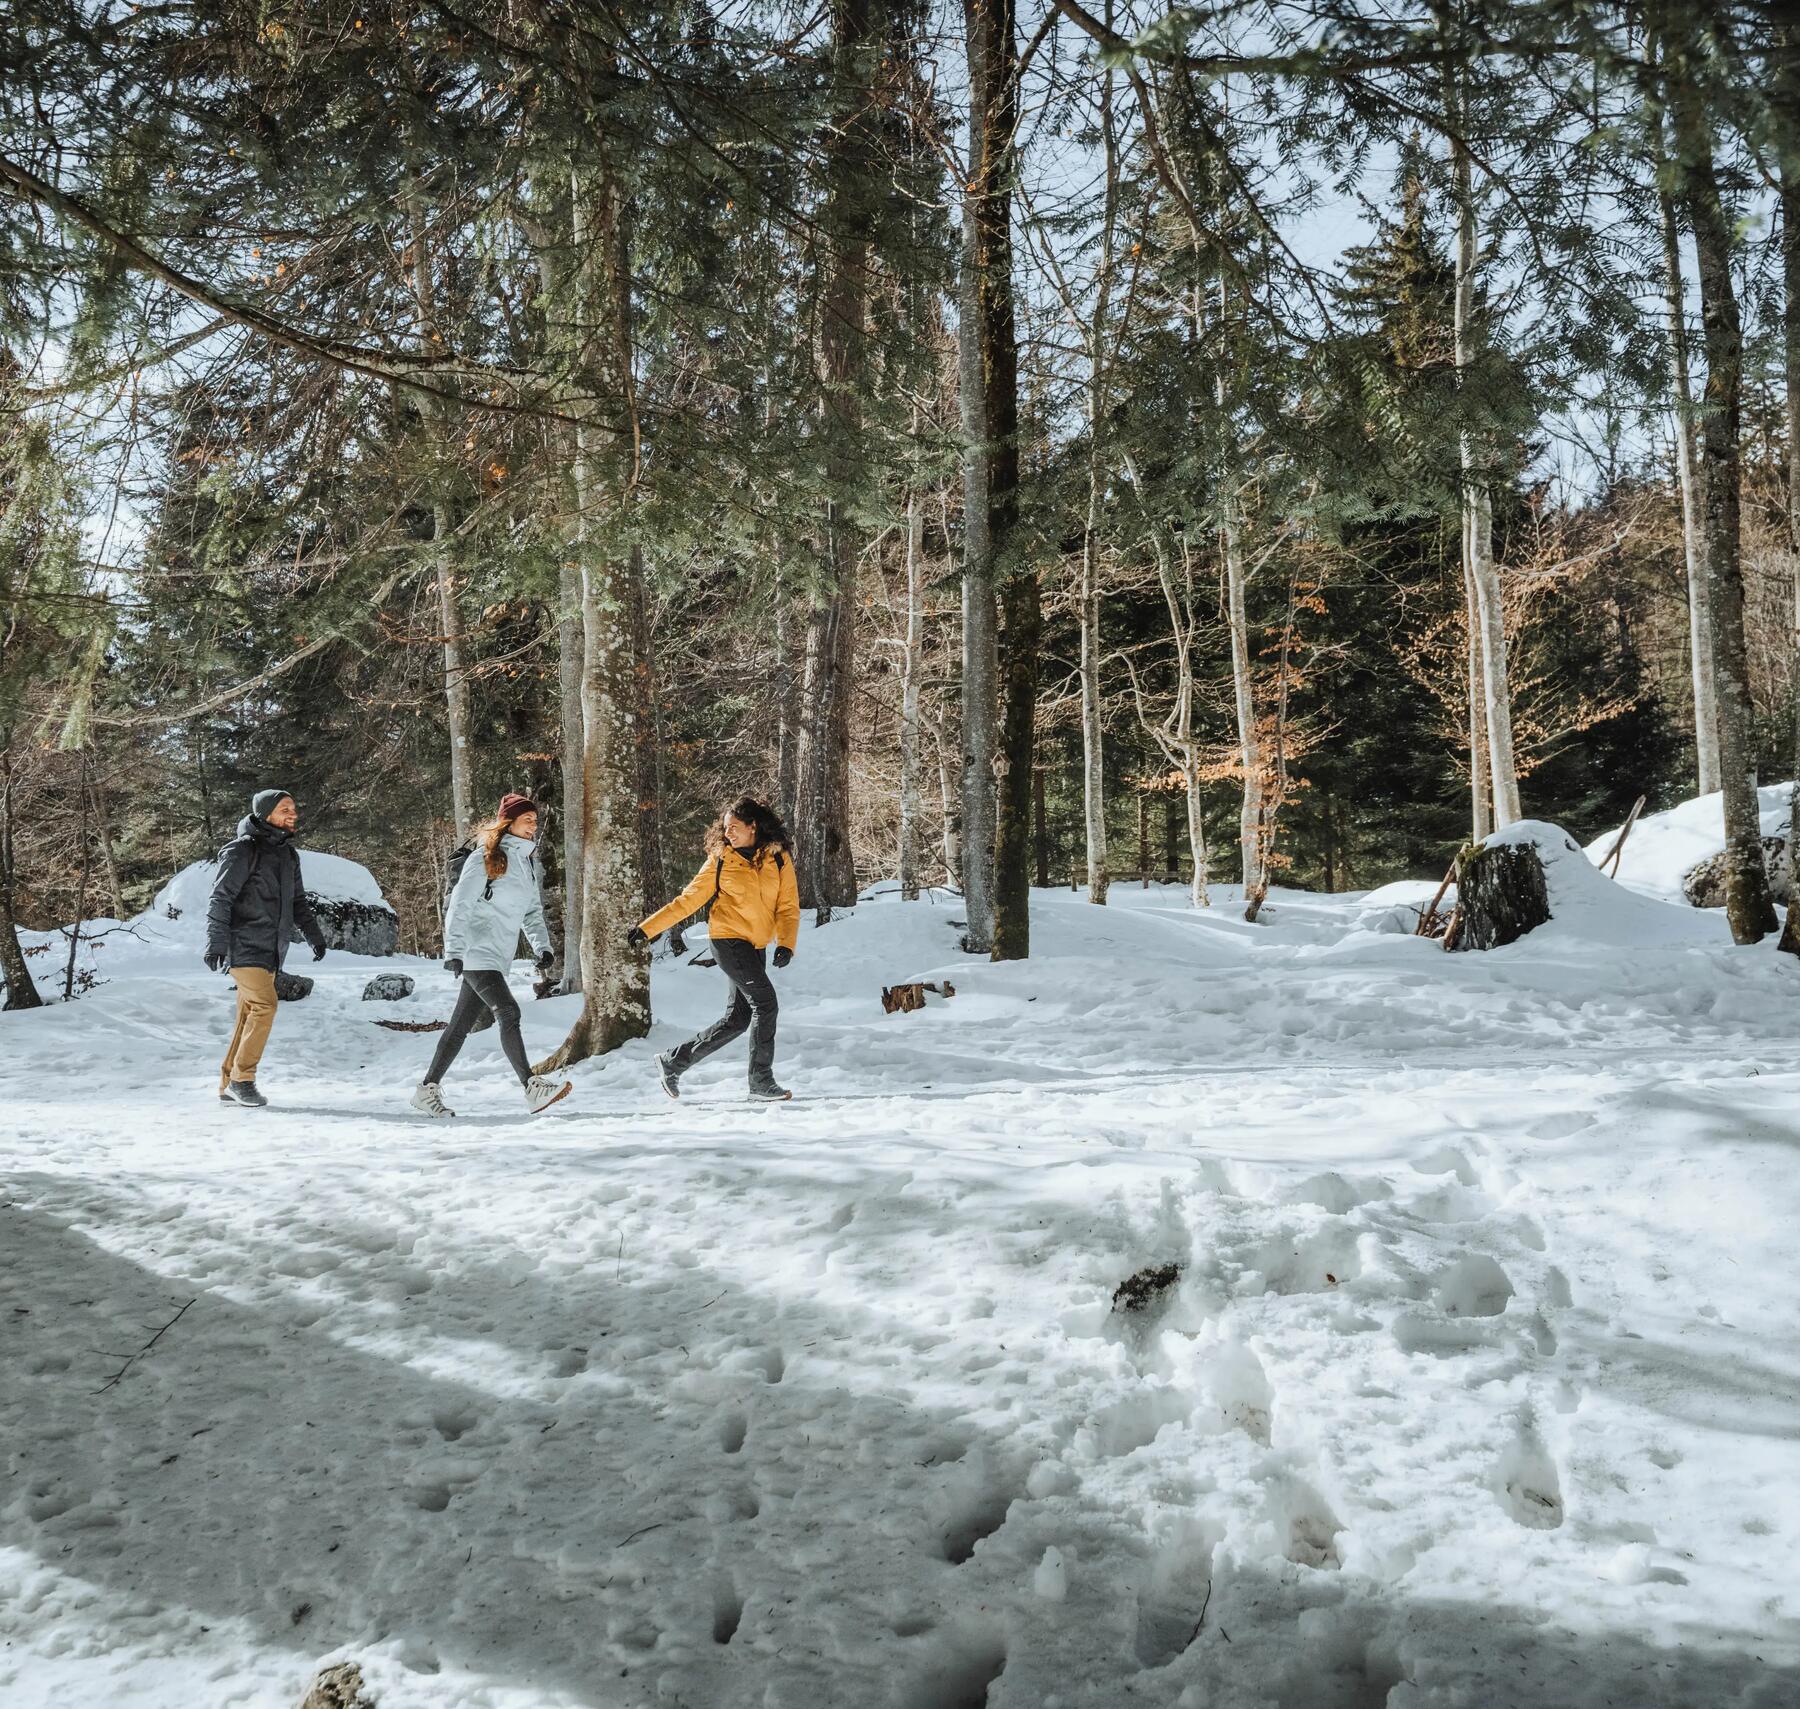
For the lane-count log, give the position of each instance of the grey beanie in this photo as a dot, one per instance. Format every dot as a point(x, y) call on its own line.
point(265, 801)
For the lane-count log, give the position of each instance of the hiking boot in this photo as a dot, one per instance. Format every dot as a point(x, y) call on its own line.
point(244, 1092)
point(668, 1076)
point(427, 1101)
point(541, 1093)
point(767, 1092)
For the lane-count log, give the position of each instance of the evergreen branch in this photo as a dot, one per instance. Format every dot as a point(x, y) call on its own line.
point(146, 720)
point(401, 368)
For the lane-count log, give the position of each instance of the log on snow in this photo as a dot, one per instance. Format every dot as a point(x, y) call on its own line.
point(904, 998)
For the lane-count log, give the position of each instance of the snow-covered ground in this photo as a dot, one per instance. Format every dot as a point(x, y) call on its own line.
point(1663, 848)
point(1480, 1385)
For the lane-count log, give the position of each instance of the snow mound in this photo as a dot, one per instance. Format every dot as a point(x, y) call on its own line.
point(1664, 848)
point(1585, 904)
point(179, 908)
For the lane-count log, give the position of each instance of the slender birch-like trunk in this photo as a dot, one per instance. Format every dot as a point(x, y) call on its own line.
point(1748, 904)
point(1477, 492)
point(450, 625)
point(1481, 800)
point(1693, 521)
point(570, 655)
point(615, 976)
point(1250, 756)
point(911, 658)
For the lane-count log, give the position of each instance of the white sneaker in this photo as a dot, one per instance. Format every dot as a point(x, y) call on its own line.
point(428, 1101)
point(540, 1093)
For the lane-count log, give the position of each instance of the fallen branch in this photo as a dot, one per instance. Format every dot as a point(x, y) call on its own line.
point(1618, 848)
point(414, 1026)
point(118, 1376)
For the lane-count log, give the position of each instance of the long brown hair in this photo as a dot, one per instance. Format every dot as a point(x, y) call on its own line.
point(771, 833)
point(487, 838)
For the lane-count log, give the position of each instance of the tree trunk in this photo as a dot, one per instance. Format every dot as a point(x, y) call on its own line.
point(1788, 104)
point(1093, 760)
point(1748, 905)
point(911, 660)
point(1143, 816)
point(1196, 829)
point(570, 650)
point(1250, 758)
point(1024, 641)
point(109, 861)
point(646, 733)
point(456, 687)
point(1040, 819)
point(1481, 800)
point(1693, 541)
point(988, 372)
point(1478, 502)
point(615, 977)
point(21, 990)
point(824, 858)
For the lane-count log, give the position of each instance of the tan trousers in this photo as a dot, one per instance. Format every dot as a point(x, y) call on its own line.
point(255, 1015)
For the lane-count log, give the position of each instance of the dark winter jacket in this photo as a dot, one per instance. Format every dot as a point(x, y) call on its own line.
point(257, 900)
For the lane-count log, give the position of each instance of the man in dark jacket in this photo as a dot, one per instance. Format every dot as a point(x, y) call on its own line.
point(256, 903)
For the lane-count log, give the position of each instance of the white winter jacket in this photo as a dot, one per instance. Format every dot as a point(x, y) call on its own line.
point(485, 916)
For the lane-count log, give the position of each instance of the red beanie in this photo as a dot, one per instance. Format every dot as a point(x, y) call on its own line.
point(511, 806)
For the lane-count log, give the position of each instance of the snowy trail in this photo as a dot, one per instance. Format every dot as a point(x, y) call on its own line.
point(1479, 1386)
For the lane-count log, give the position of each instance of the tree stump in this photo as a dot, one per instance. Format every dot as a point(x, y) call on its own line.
point(904, 998)
point(1500, 896)
point(291, 987)
point(338, 1687)
point(388, 988)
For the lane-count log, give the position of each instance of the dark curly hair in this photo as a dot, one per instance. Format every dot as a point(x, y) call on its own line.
point(771, 833)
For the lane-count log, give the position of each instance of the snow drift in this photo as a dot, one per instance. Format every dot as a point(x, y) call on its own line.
point(1664, 848)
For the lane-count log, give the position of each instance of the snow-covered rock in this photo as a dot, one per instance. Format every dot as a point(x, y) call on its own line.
point(388, 988)
point(1665, 848)
point(352, 912)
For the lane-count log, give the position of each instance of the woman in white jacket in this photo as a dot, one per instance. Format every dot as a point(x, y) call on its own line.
point(495, 898)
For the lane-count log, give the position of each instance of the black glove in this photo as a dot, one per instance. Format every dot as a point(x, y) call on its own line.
point(217, 960)
point(783, 956)
point(318, 952)
point(453, 967)
point(546, 959)
point(635, 937)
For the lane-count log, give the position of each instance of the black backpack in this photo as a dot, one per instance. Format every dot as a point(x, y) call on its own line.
point(453, 870)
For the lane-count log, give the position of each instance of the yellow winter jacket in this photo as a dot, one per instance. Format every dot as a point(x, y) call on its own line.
point(753, 897)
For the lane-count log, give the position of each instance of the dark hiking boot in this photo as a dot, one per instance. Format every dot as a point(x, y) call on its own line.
point(668, 1076)
point(244, 1092)
point(767, 1092)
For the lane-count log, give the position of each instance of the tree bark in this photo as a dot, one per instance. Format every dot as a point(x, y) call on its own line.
point(615, 976)
point(647, 738)
point(1093, 758)
point(1250, 757)
point(988, 371)
point(570, 647)
point(1477, 501)
point(1788, 104)
point(1748, 905)
point(825, 858)
point(103, 832)
point(911, 659)
point(1693, 519)
point(456, 687)
point(1481, 799)
point(21, 990)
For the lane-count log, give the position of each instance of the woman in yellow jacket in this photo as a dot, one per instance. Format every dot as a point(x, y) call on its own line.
point(748, 879)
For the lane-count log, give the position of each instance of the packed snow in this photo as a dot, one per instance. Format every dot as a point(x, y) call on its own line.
point(1474, 1382)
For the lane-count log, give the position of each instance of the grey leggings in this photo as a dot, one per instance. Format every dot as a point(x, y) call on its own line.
point(481, 991)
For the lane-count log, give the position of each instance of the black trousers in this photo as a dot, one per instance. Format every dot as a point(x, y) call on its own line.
point(752, 1007)
point(482, 992)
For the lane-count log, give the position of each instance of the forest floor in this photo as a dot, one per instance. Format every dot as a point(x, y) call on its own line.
point(1479, 1384)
